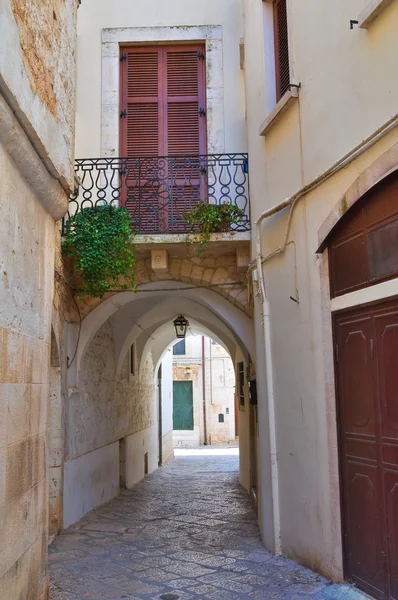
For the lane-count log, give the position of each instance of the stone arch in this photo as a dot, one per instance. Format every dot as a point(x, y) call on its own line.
point(384, 166)
point(213, 303)
point(212, 271)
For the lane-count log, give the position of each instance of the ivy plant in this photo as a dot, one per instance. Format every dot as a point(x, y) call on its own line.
point(101, 243)
point(211, 218)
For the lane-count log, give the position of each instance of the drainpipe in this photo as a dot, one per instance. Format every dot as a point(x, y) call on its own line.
point(258, 264)
point(204, 392)
point(342, 163)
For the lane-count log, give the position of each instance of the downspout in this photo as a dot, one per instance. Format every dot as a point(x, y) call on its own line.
point(204, 392)
point(271, 402)
point(291, 202)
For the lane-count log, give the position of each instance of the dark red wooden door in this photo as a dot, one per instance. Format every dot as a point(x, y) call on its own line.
point(367, 380)
point(163, 96)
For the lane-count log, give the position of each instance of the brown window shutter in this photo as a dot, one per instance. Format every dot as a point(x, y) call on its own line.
point(141, 87)
point(163, 94)
point(282, 68)
point(185, 123)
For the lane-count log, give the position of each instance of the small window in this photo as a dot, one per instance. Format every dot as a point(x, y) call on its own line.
point(281, 35)
point(132, 360)
point(241, 383)
point(179, 348)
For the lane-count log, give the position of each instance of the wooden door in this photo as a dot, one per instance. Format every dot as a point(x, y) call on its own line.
point(367, 384)
point(163, 129)
point(182, 406)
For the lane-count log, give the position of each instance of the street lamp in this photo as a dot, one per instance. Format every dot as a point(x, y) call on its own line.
point(181, 324)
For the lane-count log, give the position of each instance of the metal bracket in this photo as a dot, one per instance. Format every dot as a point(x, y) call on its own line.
point(123, 57)
point(352, 23)
point(123, 114)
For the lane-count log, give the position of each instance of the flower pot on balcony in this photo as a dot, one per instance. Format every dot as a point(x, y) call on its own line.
point(224, 226)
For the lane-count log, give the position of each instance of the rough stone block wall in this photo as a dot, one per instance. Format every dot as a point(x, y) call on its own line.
point(26, 287)
point(107, 407)
point(38, 71)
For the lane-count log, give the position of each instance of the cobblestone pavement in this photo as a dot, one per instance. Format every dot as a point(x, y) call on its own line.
point(187, 531)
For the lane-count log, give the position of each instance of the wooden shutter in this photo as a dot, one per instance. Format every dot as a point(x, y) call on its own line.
point(163, 91)
point(163, 94)
point(281, 34)
point(141, 86)
point(185, 127)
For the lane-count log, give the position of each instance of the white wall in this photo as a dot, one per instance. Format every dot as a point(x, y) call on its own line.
point(137, 445)
point(90, 480)
point(167, 407)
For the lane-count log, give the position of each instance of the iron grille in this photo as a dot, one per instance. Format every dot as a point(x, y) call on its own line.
point(158, 190)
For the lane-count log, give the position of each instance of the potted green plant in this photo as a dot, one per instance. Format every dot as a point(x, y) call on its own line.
point(206, 219)
point(100, 242)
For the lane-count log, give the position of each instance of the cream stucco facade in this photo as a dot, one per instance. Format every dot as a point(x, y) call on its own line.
point(345, 107)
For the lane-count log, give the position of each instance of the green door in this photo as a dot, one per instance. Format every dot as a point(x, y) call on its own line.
point(182, 405)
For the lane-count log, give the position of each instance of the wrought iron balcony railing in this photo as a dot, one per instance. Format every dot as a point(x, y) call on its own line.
point(157, 191)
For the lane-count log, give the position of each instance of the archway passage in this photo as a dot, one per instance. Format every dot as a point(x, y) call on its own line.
point(363, 252)
point(120, 422)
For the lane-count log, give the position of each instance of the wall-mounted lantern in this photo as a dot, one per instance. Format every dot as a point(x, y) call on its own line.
point(181, 324)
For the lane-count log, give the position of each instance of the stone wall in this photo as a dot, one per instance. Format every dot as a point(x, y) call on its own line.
point(37, 83)
point(105, 407)
point(217, 267)
point(26, 287)
point(37, 75)
point(105, 412)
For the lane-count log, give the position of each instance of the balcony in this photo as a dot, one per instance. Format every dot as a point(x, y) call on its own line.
point(158, 191)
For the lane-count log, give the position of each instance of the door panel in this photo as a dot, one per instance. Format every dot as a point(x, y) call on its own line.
point(182, 406)
point(391, 492)
point(365, 543)
point(362, 497)
point(386, 323)
point(356, 377)
point(367, 383)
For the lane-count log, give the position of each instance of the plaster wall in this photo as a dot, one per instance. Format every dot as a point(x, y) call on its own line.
point(137, 445)
point(90, 480)
point(244, 433)
point(338, 106)
point(167, 407)
point(219, 24)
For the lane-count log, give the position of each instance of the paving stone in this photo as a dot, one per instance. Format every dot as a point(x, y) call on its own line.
point(187, 530)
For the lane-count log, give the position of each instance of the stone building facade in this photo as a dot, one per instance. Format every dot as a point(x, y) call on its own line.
point(37, 116)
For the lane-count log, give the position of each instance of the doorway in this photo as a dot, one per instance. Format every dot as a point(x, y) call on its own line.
point(182, 406)
point(366, 363)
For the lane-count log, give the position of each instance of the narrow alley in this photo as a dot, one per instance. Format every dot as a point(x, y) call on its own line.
point(187, 531)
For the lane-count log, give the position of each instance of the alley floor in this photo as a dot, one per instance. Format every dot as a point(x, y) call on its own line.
point(187, 532)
